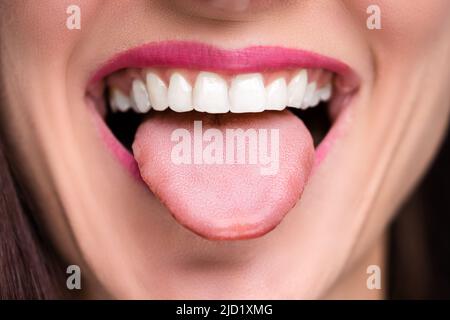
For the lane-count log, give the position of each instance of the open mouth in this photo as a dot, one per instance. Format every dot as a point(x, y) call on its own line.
point(283, 103)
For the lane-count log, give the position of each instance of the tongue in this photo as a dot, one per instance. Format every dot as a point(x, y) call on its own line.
point(214, 193)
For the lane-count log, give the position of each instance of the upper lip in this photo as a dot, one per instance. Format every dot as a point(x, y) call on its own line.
point(195, 55)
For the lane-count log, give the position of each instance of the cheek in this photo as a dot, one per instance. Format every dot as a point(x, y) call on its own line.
point(405, 24)
point(39, 27)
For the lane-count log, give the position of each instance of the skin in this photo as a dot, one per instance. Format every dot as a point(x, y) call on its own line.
point(126, 243)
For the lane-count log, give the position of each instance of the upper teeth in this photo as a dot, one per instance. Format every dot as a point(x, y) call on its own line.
point(212, 94)
point(247, 93)
point(139, 97)
point(119, 101)
point(297, 88)
point(157, 91)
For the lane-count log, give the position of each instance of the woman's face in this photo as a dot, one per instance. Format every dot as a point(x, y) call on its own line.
point(139, 223)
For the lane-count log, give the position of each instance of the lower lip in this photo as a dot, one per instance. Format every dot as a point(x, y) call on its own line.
point(124, 157)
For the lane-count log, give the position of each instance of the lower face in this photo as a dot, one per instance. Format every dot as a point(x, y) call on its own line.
point(123, 129)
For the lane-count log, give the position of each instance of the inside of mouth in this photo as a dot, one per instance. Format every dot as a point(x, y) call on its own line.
point(124, 124)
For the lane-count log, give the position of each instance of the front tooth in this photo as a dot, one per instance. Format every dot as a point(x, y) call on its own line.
point(157, 91)
point(210, 93)
point(309, 95)
point(276, 95)
point(179, 95)
point(297, 89)
point(139, 96)
point(119, 101)
point(325, 92)
point(247, 93)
